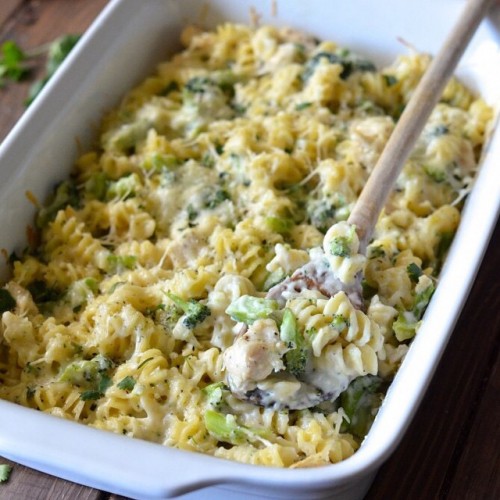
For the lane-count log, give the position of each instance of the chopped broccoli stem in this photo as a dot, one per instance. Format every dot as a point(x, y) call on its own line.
point(361, 401)
point(289, 329)
point(123, 188)
point(216, 395)
point(116, 264)
point(159, 162)
point(92, 375)
point(405, 326)
point(422, 301)
point(97, 185)
point(436, 174)
point(303, 105)
point(65, 194)
point(407, 322)
point(281, 225)
point(225, 428)
point(248, 309)
point(5, 470)
point(273, 279)
point(80, 291)
point(194, 311)
point(296, 358)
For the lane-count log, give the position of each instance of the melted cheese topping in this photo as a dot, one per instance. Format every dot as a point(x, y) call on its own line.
point(215, 179)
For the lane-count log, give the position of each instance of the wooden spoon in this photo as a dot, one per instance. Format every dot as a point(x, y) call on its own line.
point(427, 94)
point(317, 274)
point(366, 211)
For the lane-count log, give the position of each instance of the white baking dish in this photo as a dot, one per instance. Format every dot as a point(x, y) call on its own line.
point(118, 51)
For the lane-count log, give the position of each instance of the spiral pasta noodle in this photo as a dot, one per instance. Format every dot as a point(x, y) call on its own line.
point(228, 170)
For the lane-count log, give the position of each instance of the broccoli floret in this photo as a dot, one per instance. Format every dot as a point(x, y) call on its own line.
point(281, 225)
point(248, 309)
point(97, 185)
point(273, 279)
point(167, 316)
point(159, 162)
point(216, 395)
point(407, 322)
point(92, 375)
point(341, 245)
point(349, 62)
point(116, 264)
point(123, 188)
point(296, 358)
point(437, 174)
point(194, 311)
point(81, 291)
point(215, 198)
point(225, 428)
point(65, 194)
point(360, 402)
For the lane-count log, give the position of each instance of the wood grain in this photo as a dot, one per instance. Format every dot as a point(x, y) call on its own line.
point(27, 484)
point(452, 450)
point(32, 23)
point(7, 7)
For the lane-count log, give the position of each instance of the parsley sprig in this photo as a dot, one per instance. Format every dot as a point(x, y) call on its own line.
point(5, 470)
point(12, 63)
point(16, 63)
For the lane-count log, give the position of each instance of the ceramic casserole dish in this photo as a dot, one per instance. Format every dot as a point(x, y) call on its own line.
point(119, 50)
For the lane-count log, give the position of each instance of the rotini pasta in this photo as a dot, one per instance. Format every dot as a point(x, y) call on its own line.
point(145, 309)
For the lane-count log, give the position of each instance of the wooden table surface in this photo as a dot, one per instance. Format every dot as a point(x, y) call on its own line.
point(453, 448)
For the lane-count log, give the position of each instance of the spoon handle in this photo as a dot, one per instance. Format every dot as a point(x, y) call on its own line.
point(380, 183)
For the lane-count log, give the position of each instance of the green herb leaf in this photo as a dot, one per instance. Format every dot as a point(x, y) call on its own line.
point(66, 193)
point(303, 105)
point(5, 470)
point(57, 53)
point(144, 362)
point(91, 395)
point(390, 80)
point(414, 272)
point(126, 384)
point(11, 60)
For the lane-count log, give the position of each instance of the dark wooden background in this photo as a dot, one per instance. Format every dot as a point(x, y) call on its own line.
point(452, 450)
